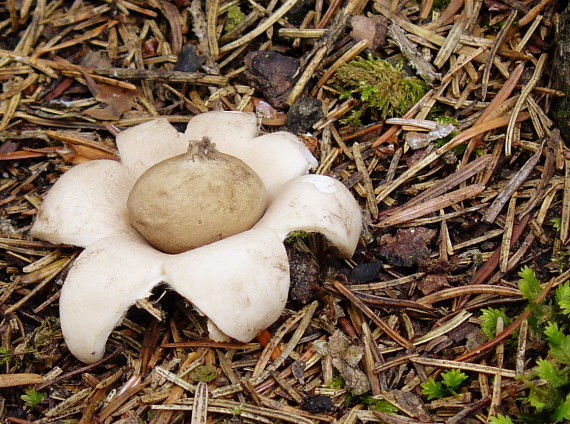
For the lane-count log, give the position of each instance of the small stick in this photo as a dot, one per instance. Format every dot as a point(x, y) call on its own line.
point(263, 338)
point(510, 188)
point(565, 218)
point(369, 188)
point(345, 291)
point(212, 7)
point(533, 13)
point(498, 42)
point(451, 41)
point(432, 205)
point(307, 74)
point(160, 75)
point(506, 243)
point(521, 101)
point(261, 28)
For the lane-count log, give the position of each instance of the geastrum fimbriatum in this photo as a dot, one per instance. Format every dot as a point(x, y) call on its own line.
point(239, 279)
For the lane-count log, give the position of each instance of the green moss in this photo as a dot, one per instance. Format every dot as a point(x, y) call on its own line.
point(234, 16)
point(379, 85)
point(440, 4)
point(444, 119)
point(4, 355)
point(337, 382)
point(294, 235)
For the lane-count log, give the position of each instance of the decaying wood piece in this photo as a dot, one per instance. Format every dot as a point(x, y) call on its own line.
point(160, 75)
point(20, 379)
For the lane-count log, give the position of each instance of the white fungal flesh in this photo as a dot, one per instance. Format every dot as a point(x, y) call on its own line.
point(147, 144)
point(86, 204)
point(105, 280)
point(316, 203)
point(240, 283)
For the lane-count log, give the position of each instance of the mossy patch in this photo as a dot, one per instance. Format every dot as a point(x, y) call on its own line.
point(234, 16)
point(379, 85)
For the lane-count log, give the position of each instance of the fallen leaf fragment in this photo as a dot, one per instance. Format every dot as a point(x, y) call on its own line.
point(119, 100)
point(372, 29)
point(407, 247)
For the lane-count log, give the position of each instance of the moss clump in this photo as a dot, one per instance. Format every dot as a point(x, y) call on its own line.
point(379, 85)
point(234, 16)
point(440, 4)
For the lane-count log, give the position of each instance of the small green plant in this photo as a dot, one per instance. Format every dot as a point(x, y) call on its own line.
point(562, 258)
point(379, 85)
point(337, 382)
point(549, 385)
point(380, 405)
point(32, 398)
point(440, 4)
point(530, 289)
point(556, 223)
point(489, 318)
point(4, 355)
point(294, 235)
point(500, 419)
point(449, 385)
point(203, 373)
point(236, 412)
point(44, 336)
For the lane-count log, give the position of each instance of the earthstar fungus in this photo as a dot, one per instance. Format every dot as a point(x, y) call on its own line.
point(240, 282)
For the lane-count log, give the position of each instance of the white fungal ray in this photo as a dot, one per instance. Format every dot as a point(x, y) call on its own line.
point(242, 297)
point(240, 283)
point(266, 155)
point(316, 203)
point(275, 157)
point(86, 204)
point(106, 279)
point(230, 131)
point(145, 145)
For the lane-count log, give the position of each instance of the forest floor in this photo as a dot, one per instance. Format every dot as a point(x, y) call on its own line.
point(438, 116)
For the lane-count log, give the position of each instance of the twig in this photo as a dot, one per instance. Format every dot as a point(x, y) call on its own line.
point(510, 188)
point(260, 29)
point(521, 101)
point(368, 312)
